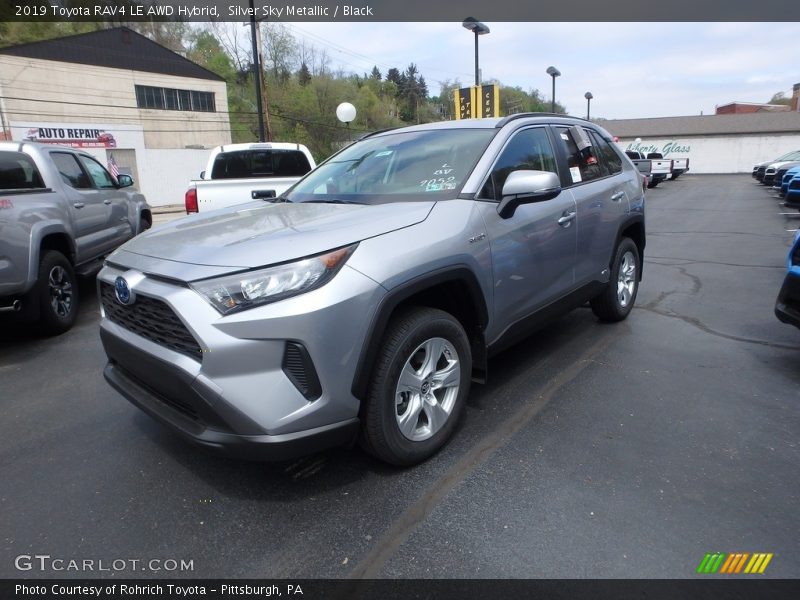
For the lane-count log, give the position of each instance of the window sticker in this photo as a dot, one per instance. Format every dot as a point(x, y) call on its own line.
point(576, 174)
point(564, 136)
point(438, 184)
point(445, 169)
point(384, 153)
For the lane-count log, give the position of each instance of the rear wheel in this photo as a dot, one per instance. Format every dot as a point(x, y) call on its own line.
point(615, 302)
point(57, 294)
point(418, 388)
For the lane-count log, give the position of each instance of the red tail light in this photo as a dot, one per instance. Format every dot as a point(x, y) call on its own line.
point(190, 200)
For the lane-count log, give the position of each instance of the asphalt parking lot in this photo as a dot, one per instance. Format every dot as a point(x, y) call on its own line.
point(594, 450)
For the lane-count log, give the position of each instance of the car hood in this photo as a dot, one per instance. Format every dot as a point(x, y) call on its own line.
point(252, 236)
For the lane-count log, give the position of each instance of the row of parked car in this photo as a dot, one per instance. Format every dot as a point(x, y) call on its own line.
point(783, 175)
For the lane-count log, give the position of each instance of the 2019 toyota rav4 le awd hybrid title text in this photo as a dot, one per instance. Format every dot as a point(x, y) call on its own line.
point(363, 301)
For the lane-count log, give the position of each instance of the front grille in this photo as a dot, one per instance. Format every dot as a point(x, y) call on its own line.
point(183, 407)
point(153, 320)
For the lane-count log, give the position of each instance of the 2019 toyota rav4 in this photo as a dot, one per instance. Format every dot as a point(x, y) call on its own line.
point(362, 302)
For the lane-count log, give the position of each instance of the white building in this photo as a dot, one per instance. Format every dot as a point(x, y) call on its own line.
point(116, 93)
point(726, 143)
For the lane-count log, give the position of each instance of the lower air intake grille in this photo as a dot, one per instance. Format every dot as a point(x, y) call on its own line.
point(300, 370)
point(152, 319)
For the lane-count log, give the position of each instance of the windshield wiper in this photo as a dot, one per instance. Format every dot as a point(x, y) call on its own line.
point(332, 201)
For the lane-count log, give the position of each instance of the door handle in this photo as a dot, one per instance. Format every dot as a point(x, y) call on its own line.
point(78, 204)
point(106, 201)
point(618, 196)
point(566, 218)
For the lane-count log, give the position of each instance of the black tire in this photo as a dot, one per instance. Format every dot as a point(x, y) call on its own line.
point(651, 184)
point(413, 337)
point(56, 291)
point(615, 303)
point(145, 222)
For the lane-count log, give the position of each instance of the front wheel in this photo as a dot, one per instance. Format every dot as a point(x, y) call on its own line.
point(419, 386)
point(615, 302)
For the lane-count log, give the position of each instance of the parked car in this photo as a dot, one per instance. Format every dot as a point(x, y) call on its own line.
point(679, 167)
point(778, 183)
point(363, 301)
point(60, 213)
point(772, 170)
point(792, 198)
point(760, 169)
point(239, 173)
point(787, 177)
point(787, 306)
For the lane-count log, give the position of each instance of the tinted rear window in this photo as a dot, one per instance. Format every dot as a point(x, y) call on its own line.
point(18, 172)
point(260, 163)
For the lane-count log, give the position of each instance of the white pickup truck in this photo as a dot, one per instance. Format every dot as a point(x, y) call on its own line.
point(653, 166)
point(238, 173)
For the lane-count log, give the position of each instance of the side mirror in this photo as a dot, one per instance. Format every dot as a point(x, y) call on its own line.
point(524, 187)
point(124, 180)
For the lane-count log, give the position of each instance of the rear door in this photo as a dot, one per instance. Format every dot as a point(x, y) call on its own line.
point(533, 251)
point(597, 182)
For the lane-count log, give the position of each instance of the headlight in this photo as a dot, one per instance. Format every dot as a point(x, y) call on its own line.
point(255, 288)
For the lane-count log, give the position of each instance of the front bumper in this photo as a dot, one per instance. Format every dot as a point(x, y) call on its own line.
point(787, 306)
point(236, 391)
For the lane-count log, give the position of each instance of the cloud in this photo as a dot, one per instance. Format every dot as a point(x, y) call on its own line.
point(633, 69)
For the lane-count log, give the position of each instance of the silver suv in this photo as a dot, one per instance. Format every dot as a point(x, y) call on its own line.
point(363, 302)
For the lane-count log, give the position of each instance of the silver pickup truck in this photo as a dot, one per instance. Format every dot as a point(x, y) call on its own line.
point(239, 173)
point(61, 211)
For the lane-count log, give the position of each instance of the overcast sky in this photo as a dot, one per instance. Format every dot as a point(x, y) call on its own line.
point(633, 70)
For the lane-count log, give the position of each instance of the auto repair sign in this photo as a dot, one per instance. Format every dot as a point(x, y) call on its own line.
point(73, 136)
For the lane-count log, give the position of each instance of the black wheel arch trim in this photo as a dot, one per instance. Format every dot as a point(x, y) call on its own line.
point(388, 304)
point(635, 219)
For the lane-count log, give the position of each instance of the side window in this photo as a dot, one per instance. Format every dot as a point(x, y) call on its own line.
point(71, 172)
point(98, 173)
point(583, 166)
point(529, 149)
point(607, 154)
point(18, 171)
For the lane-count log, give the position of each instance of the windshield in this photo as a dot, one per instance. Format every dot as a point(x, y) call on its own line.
point(789, 156)
point(396, 167)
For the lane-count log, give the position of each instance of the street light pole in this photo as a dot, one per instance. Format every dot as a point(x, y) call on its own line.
point(553, 72)
point(477, 28)
point(588, 96)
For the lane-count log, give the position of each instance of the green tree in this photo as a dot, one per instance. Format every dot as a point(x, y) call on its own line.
point(780, 98)
point(304, 75)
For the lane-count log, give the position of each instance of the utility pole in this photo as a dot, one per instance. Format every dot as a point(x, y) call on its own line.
point(257, 73)
point(264, 101)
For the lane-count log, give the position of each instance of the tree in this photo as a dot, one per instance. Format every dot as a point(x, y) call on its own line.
point(376, 74)
point(280, 48)
point(394, 76)
point(780, 98)
point(205, 50)
point(304, 75)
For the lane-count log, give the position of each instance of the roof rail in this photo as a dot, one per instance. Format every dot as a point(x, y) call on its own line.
point(505, 120)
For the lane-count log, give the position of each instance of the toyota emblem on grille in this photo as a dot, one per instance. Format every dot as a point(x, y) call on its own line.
point(123, 291)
